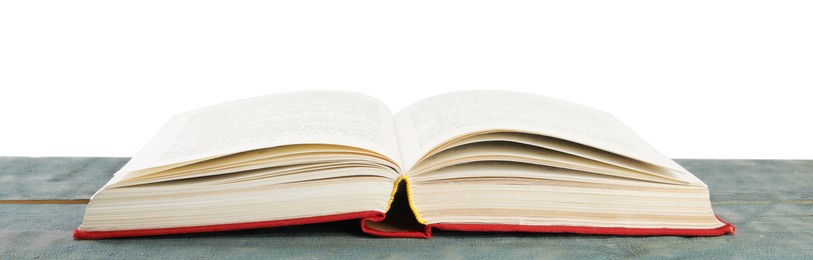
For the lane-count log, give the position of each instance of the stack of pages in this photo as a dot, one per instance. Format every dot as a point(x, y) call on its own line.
point(469, 161)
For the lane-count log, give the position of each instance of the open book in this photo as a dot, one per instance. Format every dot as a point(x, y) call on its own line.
point(470, 161)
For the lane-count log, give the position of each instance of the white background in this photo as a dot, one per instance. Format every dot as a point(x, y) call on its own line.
point(698, 79)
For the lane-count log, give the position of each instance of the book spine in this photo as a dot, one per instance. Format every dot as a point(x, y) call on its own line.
point(370, 229)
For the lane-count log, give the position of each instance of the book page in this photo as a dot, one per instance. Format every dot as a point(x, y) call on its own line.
point(436, 120)
point(529, 154)
point(556, 144)
point(310, 117)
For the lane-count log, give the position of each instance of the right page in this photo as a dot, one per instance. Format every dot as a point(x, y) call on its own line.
point(432, 122)
point(506, 161)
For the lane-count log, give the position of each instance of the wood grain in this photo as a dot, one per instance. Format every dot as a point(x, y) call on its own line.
point(55, 178)
point(769, 201)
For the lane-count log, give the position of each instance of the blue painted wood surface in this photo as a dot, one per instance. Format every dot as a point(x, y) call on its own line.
point(770, 201)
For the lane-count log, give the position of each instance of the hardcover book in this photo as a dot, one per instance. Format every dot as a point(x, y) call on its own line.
point(477, 160)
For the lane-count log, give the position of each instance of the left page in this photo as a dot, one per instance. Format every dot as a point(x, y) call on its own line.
point(308, 117)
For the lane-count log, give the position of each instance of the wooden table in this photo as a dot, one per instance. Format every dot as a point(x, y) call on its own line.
point(42, 201)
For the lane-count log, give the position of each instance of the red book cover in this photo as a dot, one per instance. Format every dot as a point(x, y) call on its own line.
point(370, 218)
point(80, 234)
point(401, 220)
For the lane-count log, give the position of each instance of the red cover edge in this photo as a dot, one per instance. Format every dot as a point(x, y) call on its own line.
point(81, 234)
point(426, 233)
point(728, 228)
